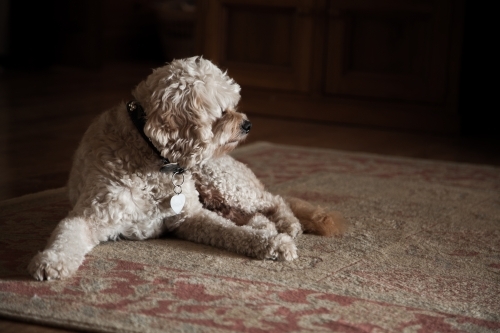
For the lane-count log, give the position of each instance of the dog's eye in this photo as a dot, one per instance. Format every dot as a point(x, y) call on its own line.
point(223, 111)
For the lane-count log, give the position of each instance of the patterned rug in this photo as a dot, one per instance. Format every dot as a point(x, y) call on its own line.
point(422, 254)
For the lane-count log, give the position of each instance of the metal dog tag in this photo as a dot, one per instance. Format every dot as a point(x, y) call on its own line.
point(177, 202)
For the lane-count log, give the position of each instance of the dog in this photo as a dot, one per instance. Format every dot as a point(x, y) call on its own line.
point(160, 164)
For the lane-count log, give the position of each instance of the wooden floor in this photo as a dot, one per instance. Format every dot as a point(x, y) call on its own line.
point(44, 113)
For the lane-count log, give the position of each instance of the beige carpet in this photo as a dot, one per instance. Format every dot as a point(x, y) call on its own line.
point(422, 255)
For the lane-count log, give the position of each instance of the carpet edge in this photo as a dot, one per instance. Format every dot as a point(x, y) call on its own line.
point(259, 144)
point(31, 196)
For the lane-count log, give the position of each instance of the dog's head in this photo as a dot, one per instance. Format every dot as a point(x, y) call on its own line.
point(190, 106)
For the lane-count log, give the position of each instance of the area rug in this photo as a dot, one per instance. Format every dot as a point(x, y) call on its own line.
point(422, 254)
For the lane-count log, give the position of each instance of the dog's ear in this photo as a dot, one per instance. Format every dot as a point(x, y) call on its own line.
point(179, 134)
point(176, 123)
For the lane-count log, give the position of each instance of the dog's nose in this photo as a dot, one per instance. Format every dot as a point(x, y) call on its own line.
point(246, 126)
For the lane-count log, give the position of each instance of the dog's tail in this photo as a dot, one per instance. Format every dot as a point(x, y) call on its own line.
point(315, 220)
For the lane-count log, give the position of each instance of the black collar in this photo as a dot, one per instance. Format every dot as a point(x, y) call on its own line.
point(138, 117)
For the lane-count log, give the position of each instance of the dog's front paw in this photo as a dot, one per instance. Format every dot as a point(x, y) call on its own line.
point(282, 247)
point(292, 229)
point(289, 225)
point(50, 265)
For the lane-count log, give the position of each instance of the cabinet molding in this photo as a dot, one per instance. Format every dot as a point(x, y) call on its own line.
point(387, 63)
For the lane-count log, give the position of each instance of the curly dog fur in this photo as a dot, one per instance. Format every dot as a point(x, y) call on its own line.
point(117, 190)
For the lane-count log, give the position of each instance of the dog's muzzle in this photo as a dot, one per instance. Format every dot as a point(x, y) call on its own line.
point(246, 126)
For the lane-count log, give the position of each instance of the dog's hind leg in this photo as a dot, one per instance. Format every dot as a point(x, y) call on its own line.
point(65, 250)
point(209, 228)
point(315, 220)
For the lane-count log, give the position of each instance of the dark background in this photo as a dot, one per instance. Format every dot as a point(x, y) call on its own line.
point(89, 34)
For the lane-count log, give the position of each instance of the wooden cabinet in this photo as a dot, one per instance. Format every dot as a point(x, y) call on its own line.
point(388, 50)
point(266, 44)
point(391, 63)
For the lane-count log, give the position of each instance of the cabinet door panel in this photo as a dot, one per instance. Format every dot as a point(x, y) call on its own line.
point(386, 49)
point(260, 37)
point(264, 44)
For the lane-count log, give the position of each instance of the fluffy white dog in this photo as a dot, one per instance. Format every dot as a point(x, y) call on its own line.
point(158, 164)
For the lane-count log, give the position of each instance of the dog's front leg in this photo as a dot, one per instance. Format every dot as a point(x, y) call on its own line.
point(65, 250)
point(209, 228)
